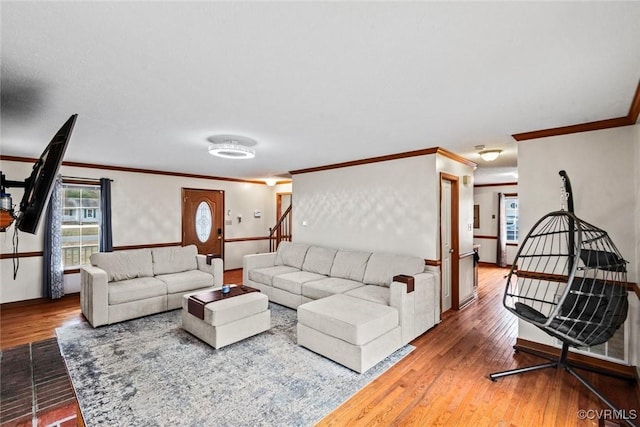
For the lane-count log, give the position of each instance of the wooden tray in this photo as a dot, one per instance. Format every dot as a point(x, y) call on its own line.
point(197, 302)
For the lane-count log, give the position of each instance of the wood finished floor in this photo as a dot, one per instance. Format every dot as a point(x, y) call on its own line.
point(442, 382)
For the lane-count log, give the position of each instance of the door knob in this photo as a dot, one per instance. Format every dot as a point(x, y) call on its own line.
point(451, 250)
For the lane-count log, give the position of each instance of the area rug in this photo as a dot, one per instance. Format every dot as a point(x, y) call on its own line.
point(149, 371)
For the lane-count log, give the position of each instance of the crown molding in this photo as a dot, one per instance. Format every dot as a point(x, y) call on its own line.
point(135, 170)
point(404, 155)
point(630, 119)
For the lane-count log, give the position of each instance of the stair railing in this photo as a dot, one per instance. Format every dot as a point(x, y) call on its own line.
point(281, 231)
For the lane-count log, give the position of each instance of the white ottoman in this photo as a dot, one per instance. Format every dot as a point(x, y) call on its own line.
point(351, 331)
point(229, 320)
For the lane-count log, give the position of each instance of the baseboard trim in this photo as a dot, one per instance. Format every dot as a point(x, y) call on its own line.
point(579, 359)
point(36, 301)
point(490, 264)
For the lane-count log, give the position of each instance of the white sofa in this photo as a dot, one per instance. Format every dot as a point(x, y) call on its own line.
point(124, 285)
point(300, 273)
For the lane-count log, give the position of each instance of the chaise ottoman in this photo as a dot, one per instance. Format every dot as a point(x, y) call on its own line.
point(228, 320)
point(351, 331)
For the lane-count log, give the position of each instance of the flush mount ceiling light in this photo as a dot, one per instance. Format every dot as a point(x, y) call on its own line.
point(232, 147)
point(488, 155)
point(231, 151)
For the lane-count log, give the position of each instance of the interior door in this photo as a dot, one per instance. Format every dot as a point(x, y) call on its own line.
point(203, 220)
point(446, 243)
point(449, 240)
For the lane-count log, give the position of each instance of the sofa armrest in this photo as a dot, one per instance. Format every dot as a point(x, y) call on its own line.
point(216, 268)
point(249, 262)
point(94, 295)
point(418, 310)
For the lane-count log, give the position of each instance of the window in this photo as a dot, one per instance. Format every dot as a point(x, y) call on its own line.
point(511, 214)
point(80, 223)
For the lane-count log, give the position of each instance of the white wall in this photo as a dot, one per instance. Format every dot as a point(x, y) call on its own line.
point(146, 210)
point(634, 307)
point(385, 206)
point(603, 169)
point(487, 198)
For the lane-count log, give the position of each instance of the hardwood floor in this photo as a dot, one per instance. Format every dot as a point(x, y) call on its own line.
point(442, 382)
point(22, 323)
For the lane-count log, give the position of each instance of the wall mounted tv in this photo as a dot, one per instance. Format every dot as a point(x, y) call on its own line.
point(38, 186)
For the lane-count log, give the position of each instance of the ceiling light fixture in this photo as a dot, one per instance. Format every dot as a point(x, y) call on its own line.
point(490, 155)
point(270, 182)
point(231, 150)
point(232, 146)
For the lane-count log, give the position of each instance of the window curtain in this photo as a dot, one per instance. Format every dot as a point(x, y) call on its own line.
point(106, 236)
point(53, 273)
point(501, 246)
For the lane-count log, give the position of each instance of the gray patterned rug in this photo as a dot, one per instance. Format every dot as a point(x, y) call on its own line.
point(150, 372)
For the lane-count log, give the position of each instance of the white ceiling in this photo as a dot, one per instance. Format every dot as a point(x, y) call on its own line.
point(313, 83)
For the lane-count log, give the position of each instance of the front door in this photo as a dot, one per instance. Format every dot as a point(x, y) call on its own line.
point(203, 220)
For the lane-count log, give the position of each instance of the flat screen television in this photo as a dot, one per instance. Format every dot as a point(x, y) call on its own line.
point(38, 187)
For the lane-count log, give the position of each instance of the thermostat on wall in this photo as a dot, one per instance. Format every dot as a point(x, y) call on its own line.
point(257, 214)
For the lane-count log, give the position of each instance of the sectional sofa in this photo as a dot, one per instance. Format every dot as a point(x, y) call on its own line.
point(124, 285)
point(353, 306)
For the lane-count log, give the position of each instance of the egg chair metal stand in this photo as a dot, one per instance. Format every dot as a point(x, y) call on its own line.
point(569, 280)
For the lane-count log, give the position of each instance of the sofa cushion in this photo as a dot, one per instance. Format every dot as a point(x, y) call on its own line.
point(230, 310)
point(135, 289)
point(292, 282)
point(174, 259)
point(319, 260)
point(351, 319)
point(291, 254)
point(350, 265)
point(377, 294)
point(382, 267)
point(327, 287)
point(265, 275)
point(186, 281)
point(123, 265)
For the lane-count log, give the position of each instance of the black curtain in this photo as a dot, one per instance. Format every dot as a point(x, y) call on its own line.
point(106, 236)
point(52, 271)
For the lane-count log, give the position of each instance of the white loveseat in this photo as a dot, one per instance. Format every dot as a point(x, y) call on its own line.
point(124, 285)
point(299, 273)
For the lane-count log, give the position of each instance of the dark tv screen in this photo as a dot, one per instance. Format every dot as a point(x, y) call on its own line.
point(39, 185)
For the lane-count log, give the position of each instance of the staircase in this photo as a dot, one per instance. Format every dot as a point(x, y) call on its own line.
point(281, 231)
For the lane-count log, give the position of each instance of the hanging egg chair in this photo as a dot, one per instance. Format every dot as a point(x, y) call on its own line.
point(569, 280)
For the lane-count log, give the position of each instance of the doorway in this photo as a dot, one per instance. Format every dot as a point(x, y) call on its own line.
point(283, 203)
point(203, 220)
point(449, 251)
